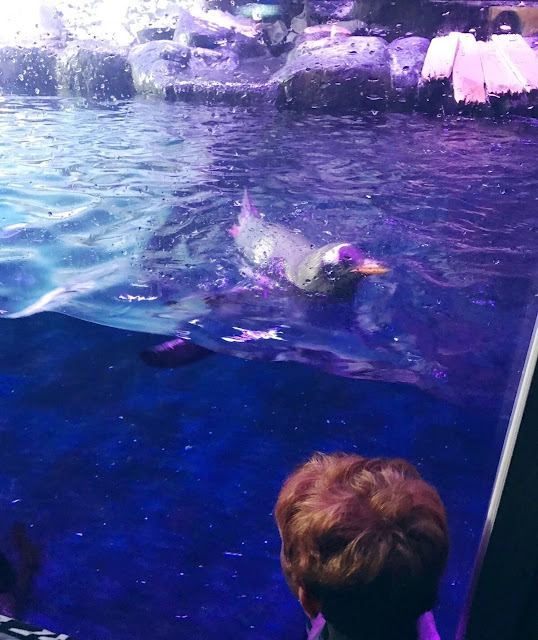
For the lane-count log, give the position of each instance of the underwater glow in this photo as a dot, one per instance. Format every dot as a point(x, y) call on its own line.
point(21, 20)
point(116, 21)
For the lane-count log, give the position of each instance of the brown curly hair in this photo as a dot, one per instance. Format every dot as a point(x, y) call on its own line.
point(366, 537)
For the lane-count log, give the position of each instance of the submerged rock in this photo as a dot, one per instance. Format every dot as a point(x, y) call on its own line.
point(407, 57)
point(352, 74)
point(28, 70)
point(95, 70)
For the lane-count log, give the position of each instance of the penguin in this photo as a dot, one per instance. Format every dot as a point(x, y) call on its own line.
point(334, 269)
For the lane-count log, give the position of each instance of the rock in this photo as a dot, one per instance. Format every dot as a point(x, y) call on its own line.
point(275, 33)
point(278, 38)
point(157, 65)
point(216, 30)
point(291, 38)
point(355, 27)
point(228, 79)
point(352, 74)
point(95, 70)
point(244, 85)
point(360, 28)
point(462, 18)
point(150, 34)
point(328, 10)
point(319, 31)
point(300, 22)
point(395, 19)
point(247, 46)
point(385, 31)
point(211, 29)
point(312, 40)
point(28, 70)
point(407, 57)
point(201, 75)
point(176, 53)
point(218, 64)
point(195, 31)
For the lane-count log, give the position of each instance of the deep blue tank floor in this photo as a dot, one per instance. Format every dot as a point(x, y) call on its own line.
point(151, 491)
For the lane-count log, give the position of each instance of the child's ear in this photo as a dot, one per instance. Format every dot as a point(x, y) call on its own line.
point(311, 606)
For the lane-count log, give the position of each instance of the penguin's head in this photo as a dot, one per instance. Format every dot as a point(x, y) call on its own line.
point(337, 269)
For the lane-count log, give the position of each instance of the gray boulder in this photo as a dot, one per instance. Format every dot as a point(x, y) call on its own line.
point(352, 74)
point(321, 32)
point(193, 31)
point(462, 17)
point(247, 46)
point(211, 81)
point(217, 64)
point(407, 57)
point(419, 17)
point(157, 65)
point(95, 70)
point(28, 70)
point(316, 39)
point(216, 29)
point(150, 34)
point(201, 75)
point(300, 22)
point(276, 33)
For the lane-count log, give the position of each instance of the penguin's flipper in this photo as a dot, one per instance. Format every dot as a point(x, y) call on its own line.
point(174, 353)
point(248, 210)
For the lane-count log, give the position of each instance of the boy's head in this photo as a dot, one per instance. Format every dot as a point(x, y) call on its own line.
point(364, 541)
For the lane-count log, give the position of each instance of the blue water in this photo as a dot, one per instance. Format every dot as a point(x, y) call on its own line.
point(151, 490)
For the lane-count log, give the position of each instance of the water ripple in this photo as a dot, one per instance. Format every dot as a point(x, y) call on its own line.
point(101, 203)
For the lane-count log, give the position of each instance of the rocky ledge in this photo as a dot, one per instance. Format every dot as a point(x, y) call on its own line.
point(214, 56)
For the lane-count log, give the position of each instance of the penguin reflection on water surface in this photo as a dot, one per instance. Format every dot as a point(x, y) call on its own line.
point(333, 271)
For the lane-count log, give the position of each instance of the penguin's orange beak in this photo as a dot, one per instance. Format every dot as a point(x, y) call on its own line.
point(370, 267)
